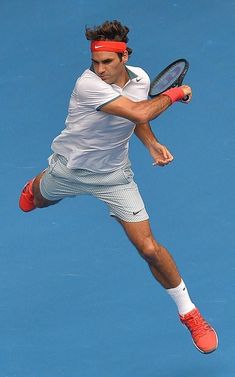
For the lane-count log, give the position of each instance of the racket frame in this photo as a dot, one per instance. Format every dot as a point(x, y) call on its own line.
point(177, 82)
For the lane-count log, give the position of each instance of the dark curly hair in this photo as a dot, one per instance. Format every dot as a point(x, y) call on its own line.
point(109, 30)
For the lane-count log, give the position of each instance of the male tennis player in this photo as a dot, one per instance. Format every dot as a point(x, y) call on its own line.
point(108, 104)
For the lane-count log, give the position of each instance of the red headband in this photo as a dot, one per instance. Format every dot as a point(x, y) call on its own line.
point(109, 46)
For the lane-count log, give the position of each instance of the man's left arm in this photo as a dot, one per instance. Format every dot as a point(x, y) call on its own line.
point(160, 154)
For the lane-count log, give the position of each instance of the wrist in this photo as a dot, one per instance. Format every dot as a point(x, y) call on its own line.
point(155, 144)
point(175, 94)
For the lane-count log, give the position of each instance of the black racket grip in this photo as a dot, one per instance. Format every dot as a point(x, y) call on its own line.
point(185, 99)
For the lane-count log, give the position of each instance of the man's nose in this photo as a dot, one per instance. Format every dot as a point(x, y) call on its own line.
point(101, 68)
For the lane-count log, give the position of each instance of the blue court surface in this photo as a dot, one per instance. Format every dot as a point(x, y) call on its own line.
point(76, 300)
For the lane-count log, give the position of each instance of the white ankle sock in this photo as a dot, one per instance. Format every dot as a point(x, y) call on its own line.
point(181, 297)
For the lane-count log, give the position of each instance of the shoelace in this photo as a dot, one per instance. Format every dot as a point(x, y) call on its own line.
point(28, 190)
point(197, 325)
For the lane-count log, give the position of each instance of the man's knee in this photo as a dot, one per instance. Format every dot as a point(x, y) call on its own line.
point(39, 200)
point(150, 250)
point(40, 203)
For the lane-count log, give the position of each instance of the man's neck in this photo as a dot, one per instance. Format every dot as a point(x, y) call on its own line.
point(124, 78)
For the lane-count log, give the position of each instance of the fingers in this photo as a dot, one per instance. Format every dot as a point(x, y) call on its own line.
point(188, 94)
point(162, 156)
point(187, 90)
point(167, 156)
point(163, 162)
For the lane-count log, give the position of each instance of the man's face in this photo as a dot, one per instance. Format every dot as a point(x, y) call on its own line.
point(108, 66)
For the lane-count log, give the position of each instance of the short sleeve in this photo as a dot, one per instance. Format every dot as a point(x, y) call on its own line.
point(94, 92)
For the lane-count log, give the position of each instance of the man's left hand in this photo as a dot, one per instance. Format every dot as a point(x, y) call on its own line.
point(161, 155)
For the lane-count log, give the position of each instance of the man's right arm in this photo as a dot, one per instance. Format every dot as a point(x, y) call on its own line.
point(142, 111)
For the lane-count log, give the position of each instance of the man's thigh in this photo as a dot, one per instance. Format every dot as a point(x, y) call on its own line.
point(138, 231)
point(124, 202)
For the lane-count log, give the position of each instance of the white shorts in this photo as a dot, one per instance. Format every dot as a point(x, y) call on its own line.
point(117, 189)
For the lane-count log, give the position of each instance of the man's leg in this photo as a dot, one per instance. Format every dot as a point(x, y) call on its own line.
point(165, 272)
point(31, 196)
point(39, 200)
point(158, 258)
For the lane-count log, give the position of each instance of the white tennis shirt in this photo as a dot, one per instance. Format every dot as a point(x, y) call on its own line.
point(92, 139)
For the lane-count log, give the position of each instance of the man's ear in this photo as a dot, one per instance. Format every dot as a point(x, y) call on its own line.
point(125, 56)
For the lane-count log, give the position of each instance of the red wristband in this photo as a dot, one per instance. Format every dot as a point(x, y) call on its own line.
point(175, 94)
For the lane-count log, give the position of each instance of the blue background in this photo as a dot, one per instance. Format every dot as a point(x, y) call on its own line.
point(75, 298)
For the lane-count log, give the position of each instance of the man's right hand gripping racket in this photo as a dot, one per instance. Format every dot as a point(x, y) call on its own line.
point(172, 76)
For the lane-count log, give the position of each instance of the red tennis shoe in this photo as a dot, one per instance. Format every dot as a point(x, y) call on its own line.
point(203, 335)
point(26, 202)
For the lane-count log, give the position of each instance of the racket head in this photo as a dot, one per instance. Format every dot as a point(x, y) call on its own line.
point(169, 77)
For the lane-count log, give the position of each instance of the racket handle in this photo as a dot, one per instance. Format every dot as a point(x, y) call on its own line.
point(185, 99)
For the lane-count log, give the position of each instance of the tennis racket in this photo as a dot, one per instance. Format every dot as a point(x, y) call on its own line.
point(170, 77)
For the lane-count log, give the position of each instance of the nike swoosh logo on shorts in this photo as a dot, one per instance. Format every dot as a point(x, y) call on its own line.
point(136, 213)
